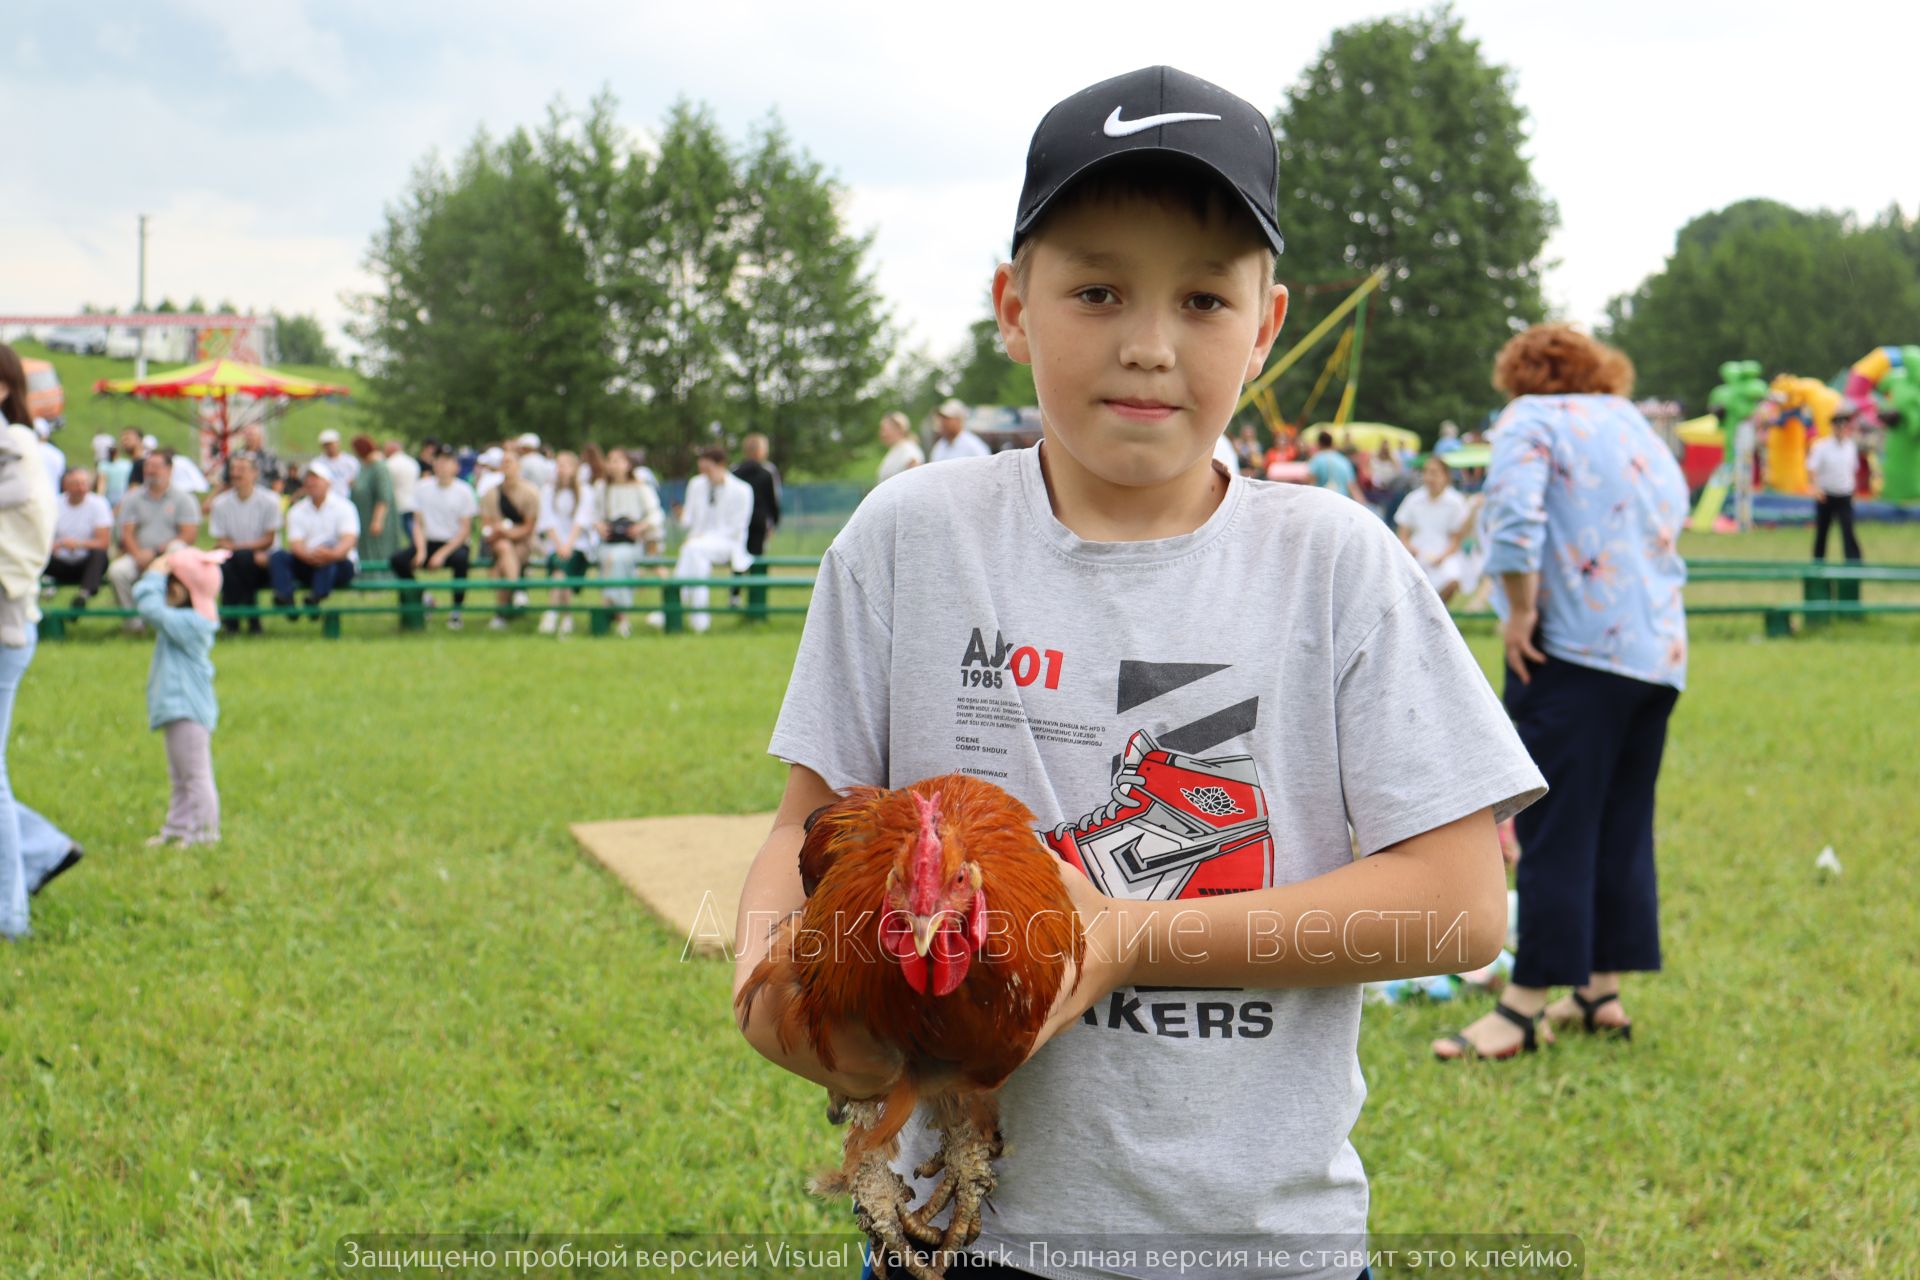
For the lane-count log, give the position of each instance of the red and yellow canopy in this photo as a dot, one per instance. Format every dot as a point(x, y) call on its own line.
point(216, 380)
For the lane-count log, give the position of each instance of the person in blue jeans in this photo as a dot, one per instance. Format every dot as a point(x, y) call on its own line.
point(323, 532)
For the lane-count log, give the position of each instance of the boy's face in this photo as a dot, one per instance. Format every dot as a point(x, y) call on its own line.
point(1142, 323)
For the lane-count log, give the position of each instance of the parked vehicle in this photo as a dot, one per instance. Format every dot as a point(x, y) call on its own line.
point(123, 343)
point(79, 340)
point(46, 398)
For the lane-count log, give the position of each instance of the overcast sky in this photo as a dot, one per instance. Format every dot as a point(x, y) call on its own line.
point(266, 136)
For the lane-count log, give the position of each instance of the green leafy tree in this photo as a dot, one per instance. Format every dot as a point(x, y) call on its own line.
point(302, 340)
point(486, 322)
point(1403, 147)
point(806, 326)
point(984, 374)
point(1800, 292)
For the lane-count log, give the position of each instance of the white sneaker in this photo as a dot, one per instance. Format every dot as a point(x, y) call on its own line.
point(426, 599)
point(453, 621)
point(657, 619)
point(548, 621)
point(566, 625)
point(497, 623)
point(623, 629)
point(519, 599)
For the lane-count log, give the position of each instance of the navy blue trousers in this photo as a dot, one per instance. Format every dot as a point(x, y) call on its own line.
point(1588, 899)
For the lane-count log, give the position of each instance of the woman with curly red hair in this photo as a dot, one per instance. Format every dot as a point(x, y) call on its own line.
point(1584, 505)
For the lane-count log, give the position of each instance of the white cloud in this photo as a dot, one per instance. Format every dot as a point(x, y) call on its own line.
point(267, 39)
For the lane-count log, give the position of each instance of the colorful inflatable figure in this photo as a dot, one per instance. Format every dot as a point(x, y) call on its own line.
point(1740, 392)
point(1900, 462)
point(1796, 412)
point(1866, 375)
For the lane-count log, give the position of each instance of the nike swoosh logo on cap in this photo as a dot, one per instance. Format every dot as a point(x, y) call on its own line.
point(1115, 127)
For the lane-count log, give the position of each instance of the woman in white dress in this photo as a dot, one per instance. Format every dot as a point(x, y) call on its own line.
point(1433, 521)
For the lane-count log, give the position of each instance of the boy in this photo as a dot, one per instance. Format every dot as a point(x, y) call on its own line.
point(1074, 621)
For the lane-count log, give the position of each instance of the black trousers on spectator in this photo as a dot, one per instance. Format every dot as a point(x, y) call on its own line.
point(87, 571)
point(241, 582)
point(1826, 509)
point(401, 562)
point(1588, 900)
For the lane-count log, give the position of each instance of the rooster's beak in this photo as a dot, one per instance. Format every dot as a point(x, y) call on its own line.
point(923, 927)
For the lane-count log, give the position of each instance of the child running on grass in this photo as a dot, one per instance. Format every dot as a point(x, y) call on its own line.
point(175, 597)
point(1075, 621)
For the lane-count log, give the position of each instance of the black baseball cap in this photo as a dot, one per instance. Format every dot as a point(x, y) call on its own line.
point(1153, 111)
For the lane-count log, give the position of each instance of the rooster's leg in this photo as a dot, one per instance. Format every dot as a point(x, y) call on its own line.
point(881, 1200)
point(969, 1144)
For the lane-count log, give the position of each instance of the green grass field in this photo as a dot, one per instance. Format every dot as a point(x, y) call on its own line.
point(396, 998)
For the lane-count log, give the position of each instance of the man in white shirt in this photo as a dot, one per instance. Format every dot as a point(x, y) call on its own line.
point(1834, 466)
point(903, 451)
point(486, 470)
point(341, 468)
point(955, 441)
point(715, 515)
point(444, 510)
point(322, 531)
point(405, 470)
point(82, 534)
point(535, 467)
point(245, 523)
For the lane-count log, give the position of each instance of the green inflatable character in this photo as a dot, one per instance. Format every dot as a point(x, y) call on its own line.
point(1740, 392)
point(1900, 414)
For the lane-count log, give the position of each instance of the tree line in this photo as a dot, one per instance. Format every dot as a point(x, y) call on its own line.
point(573, 282)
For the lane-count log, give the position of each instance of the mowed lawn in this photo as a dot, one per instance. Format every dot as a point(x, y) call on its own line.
point(396, 997)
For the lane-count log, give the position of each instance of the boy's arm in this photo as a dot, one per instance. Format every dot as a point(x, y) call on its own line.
point(1435, 903)
point(772, 894)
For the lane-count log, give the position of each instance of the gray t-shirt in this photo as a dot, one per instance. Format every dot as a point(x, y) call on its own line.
point(244, 519)
point(156, 521)
point(1237, 707)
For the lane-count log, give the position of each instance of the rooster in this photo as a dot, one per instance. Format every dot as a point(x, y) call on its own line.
point(937, 921)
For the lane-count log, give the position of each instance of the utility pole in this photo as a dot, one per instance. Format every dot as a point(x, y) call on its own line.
point(140, 306)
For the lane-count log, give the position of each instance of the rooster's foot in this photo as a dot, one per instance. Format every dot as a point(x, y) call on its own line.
point(967, 1155)
point(882, 1202)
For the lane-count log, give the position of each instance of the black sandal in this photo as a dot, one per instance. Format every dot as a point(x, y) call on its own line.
point(1530, 1043)
point(1589, 1007)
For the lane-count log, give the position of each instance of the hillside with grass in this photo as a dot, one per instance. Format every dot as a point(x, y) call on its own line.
point(291, 432)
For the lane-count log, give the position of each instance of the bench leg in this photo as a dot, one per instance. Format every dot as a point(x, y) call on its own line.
point(330, 625)
point(671, 611)
point(1779, 624)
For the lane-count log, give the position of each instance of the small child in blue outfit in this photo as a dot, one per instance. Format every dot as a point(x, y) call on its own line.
point(176, 599)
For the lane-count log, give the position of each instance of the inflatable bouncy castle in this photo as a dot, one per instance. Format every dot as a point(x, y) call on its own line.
point(1796, 412)
point(1899, 383)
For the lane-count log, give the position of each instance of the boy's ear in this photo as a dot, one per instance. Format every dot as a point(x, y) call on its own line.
point(1011, 312)
point(1270, 325)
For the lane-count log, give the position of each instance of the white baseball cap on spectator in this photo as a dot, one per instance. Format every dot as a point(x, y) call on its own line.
point(528, 440)
point(149, 442)
point(329, 436)
point(952, 409)
point(317, 467)
point(490, 457)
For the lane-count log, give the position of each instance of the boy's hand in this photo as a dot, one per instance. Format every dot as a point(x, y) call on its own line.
point(1104, 966)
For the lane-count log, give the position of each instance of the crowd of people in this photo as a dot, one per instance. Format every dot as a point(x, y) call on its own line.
point(303, 532)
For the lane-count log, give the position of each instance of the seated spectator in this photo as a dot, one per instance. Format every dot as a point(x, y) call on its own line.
point(509, 512)
point(444, 508)
point(82, 534)
point(245, 521)
point(1434, 521)
point(340, 467)
point(629, 520)
point(719, 505)
point(372, 496)
point(567, 535)
point(152, 515)
point(322, 532)
point(405, 473)
point(486, 470)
